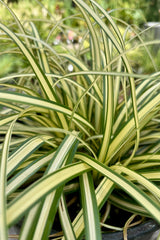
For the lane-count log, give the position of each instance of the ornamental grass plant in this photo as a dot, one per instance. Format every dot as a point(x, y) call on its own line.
point(74, 145)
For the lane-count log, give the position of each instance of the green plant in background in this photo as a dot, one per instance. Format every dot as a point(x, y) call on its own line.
point(92, 133)
point(8, 64)
point(132, 12)
point(152, 11)
point(38, 12)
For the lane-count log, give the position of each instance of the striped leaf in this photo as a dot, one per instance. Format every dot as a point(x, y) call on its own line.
point(23, 152)
point(65, 220)
point(151, 206)
point(43, 104)
point(63, 156)
point(27, 172)
point(90, 208)
point(3, 183)
point(41, 188)
point(46, 69)
point(46, 87)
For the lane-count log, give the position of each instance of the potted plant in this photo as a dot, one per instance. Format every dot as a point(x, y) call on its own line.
point(77, 146)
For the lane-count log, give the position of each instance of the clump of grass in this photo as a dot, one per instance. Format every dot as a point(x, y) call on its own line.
point(92, 133)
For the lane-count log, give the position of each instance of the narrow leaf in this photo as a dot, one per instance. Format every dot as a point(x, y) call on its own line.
point(90, 208)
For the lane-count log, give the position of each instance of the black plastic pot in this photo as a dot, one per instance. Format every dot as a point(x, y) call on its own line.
point(144, 231)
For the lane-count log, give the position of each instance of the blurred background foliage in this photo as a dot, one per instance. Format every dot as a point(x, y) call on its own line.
point(129, 14)
point(133, 11)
